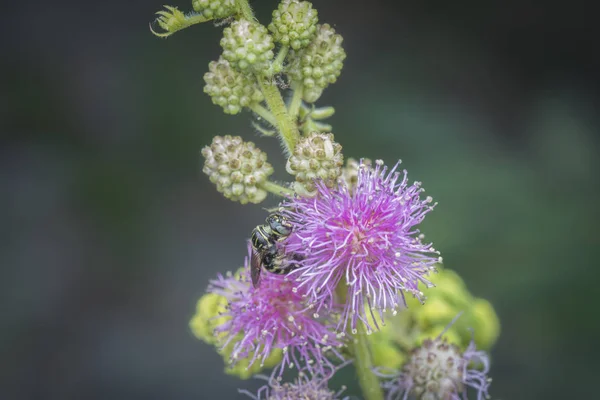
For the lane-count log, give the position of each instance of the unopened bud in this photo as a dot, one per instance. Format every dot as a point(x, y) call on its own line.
point(247, 45)
point(214, 9)
point(229, 88)
point(294, 23)
point(319, 64)
point(238, 168)
point(315, 157)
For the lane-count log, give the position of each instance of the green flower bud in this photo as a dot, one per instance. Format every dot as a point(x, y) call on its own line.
point(241, 367)
point(319, 64)
point(206, 319)
point(247, 45)
point(229, 88)
point(316, 156)
point(450, 296)
point(238, 168)
point(487, 324)
point(294, 23)
point(214, 9)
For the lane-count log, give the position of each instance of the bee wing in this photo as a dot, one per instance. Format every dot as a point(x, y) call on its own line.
point(255, 267)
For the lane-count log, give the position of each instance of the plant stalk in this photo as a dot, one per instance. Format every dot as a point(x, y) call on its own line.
point(361, 349)
point(288, 130)
point(276, 189)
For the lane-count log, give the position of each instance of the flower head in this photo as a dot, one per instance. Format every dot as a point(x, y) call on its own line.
point(273, 316)
point(365, 239)
point(438, 370)
point(237, 167)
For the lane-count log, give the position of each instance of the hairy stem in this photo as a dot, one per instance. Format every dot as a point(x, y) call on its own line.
point(277, 65)
point(296, 102)
point(288, 130)
point(263, 113)
point(245, 10)
point(276, 189)
point(363, 363)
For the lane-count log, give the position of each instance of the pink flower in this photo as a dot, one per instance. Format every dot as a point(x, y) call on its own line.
point(366, 239)
point(273, 315)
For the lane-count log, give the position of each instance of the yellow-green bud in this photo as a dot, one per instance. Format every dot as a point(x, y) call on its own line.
point(229, 88)
point(241, 368)
point(214, 9)
point(386, 355)
point(238, 168)
point(486, 323)
point(316, 156)
point(247, 45)
point(449, 297)
point(319, 64)
point(294, 23)
point(207, 317)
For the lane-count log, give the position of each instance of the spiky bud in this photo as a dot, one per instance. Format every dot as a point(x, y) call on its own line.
point(319, 64)
point(247, 45)
point(238, 168)
point(229, 88)
point(439, 370)
point(294, 23)
point(214, 9)
point(316, 156)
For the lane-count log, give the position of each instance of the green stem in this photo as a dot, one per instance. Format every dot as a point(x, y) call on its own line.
point(263, 113)
point(276, 189)
point(244, 8)
point(296, 102)
point(277, 65)
point(361, 349)
point(288, 130)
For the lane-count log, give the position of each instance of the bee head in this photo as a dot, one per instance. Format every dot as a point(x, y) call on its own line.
point(279, 224)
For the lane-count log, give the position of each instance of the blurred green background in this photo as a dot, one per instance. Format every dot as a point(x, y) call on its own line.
point(110, 231)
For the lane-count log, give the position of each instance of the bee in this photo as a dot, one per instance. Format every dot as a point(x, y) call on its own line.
point(265, 252)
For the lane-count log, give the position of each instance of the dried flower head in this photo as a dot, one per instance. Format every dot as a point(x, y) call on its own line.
point(274, 315)
point(237, 167)
point(367, 240)
point(438, 370)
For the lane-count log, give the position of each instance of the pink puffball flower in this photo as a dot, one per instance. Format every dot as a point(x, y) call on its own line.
point(273, 315)
point(365, 238)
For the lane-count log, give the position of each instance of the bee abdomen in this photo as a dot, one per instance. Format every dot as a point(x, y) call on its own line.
point(261, 238)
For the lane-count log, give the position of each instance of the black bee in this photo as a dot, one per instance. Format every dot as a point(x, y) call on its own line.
point(264, 242)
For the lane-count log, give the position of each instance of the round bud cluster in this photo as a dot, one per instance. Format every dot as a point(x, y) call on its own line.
point(319, 64)
point(237, 168)
point(436, 369)
point(294, 23)
point(350, 172)
point(247, 45)
point(316, 156)
point(214, 9)
point(229, 88)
